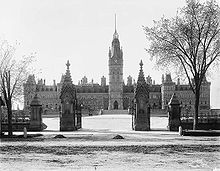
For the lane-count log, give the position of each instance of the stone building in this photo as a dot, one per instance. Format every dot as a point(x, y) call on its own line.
point(185, 95)
point(117, 94)
point(93, 96)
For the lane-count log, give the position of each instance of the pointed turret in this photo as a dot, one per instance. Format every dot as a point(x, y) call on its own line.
point(141, 79)
point(142, 86)
point(68, 87)
point(67, 77)
point(115, 35)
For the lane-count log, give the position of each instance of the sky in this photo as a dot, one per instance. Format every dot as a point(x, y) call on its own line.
point(81, 31)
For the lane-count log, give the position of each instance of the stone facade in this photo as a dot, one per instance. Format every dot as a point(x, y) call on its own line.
point(185, 95)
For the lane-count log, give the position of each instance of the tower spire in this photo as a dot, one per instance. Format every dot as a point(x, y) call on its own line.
point(115, 23)
point(115, 36)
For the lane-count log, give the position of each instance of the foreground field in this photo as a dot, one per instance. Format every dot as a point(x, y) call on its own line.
point(167, 157)
point(93, 148)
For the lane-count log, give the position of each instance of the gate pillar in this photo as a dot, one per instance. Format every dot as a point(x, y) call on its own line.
point(68, 103)
point(36, 114)
point(141, 103)
point(174, 113)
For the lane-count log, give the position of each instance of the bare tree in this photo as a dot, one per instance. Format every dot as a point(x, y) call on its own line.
point(189, 43)
point(13, 74)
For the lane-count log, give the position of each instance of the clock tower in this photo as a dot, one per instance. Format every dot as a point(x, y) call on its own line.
point(115, 74)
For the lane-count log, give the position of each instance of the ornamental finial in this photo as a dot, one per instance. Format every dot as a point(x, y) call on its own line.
point(141, 78)
point(141, 64)
point(67, 77)
point(68, 64)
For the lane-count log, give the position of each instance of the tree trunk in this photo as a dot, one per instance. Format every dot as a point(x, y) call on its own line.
point(196, 114)
point(0, 117)
point(9, 106)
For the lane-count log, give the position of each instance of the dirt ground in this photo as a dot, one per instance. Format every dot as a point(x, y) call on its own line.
point(95, 149)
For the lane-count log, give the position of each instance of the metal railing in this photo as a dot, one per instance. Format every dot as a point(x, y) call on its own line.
point(202, 118)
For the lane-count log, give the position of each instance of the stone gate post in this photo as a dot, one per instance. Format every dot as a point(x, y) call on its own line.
point(36, 114)
point(142, 114)
point(174, 114)
point(1, 104)
point(68, 103)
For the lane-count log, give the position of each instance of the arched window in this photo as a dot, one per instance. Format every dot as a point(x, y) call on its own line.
point(115, 105)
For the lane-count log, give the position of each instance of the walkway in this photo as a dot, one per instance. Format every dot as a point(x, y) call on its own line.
point(108, 122)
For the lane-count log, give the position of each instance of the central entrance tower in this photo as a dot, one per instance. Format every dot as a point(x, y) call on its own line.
point(115, 64)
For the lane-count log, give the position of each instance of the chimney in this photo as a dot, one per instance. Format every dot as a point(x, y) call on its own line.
point(178, 81)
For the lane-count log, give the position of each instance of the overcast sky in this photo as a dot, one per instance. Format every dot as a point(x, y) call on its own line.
point(81, 31)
